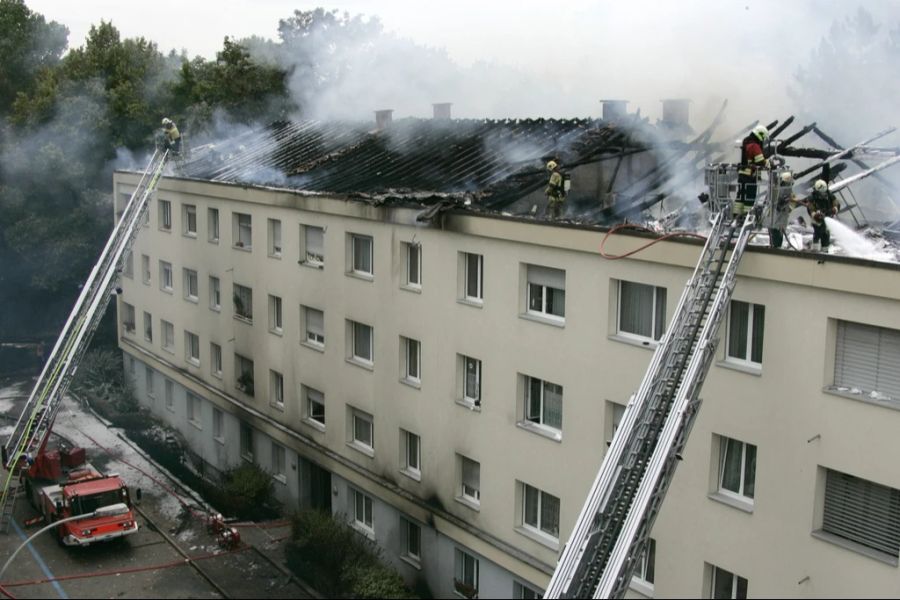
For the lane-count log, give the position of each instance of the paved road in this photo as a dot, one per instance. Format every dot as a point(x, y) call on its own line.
point(150, 563)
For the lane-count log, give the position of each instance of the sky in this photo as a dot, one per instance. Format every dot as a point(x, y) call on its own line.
point(707, 50)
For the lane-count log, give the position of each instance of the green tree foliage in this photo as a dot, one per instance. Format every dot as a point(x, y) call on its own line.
point(29, 45)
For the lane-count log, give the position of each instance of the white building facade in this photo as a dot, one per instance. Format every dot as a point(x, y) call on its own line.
point(451, 387)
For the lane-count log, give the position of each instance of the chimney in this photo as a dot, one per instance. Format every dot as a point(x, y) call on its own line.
point(676, 112)
point(613, 110)
point(442, 110)
point(383, 118)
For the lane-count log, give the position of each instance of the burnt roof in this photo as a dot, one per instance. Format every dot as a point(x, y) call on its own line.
point(496, 161)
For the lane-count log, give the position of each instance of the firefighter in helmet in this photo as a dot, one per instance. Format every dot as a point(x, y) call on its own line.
point(171, 136)
point(820, 204)
point(752, 160)
point(780, 209)
point(555, 191)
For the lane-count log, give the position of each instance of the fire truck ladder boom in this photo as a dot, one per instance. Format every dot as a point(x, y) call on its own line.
point(32, 430)
point(613, 528)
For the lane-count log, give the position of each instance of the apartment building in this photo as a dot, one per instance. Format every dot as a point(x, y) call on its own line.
point(449, 384)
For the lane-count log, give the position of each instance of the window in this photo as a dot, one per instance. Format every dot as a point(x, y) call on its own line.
point(863, 512)
point(465, 579)
point(411, 536)
point(727, 585)
point(242, 231)
point(212, 224)
point(867, 361)
point(169, 386)
point(362, 431)
point(737, 468)
point(128, 266)
point(165, 276)
point(168, 336)
point(745, 332)
point(276, 324)
point(645, 570)
point(145, 269)
point(148, 327)
point(315, 406)
point(191, 286)
point(132, 366)
point(546, 292)
point(148, 378)
point(543, 402)
point(243, 369)
point(471, 380)
point(278, 471)
point(473, 280)
point(520, 590)
point(361, 255)
point(128, 318)
point(276, 389)
point(192, 348)
point(218, 425)
point(411, 360)
point(413, 253)
point(362, 511)
point(540, 511)
point(165, 215)
point(314, 323)
point(642, 310)
point(193, 410)
point(189, 218)
point(313, 249)
point(274, 229)
point(246, 441)
point(215, 359)
point(215, 293)
point(410, 453)
point(243, 302)
point(471, 480)
point(361, 341)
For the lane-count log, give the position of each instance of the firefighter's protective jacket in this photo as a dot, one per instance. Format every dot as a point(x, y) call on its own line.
point(172, 133)
point(752, 157)
point(556, 188)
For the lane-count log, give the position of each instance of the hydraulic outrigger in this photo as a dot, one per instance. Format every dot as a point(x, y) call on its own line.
point(613, 528)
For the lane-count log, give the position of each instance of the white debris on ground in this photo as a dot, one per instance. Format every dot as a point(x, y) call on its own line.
point(76, 424)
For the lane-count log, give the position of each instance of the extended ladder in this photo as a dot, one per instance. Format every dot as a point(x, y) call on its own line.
point(613, 528)
point(32, 430)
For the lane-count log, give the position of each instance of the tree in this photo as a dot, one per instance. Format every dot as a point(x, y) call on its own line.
point(29, 45)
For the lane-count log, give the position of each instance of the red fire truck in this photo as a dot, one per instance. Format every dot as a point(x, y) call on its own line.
point(60, 484)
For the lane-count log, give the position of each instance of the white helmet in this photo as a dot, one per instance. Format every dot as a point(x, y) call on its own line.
point(787, 177)
point(166, 121)
point(820, 185)
point(761, 132)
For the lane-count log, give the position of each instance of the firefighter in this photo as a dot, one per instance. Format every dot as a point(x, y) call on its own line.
point(820, 204)
point(172, 137)
point(780, 210)
point(752, 160)
point(556, 190)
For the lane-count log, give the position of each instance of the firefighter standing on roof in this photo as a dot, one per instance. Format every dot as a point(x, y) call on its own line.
point(780, 209)
point(752, 160)
point(820, 204)
point(556, 190)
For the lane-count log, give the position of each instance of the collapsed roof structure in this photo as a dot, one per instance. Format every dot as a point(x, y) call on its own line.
point(620, 166)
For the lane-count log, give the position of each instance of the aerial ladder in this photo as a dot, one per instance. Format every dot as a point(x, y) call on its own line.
point(613, 528)
point(32, 430)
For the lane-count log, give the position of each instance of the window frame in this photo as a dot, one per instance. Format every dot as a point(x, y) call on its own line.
point(166, 277)
point(192, 409)
point(212, 225)
point(407, 528)
point(279, 463)
point(462, 571)
point(411, 447)
point(169, 394)
point(215, 293)
point(538, 288)
point(187, 211)
point(242, 223)
point(365, 244)
point(165, 215)
point(412, 357)
point(240, 362)
point(478, 298)
point(413, 275)
point(312, 259)
point(537, 527)
point(275, 246)
point(218, 429)
point(191, 343)
point(146, 275)
point(746, 465)
point(364, 503)
point(354, 348)
point(735, 583)
point(466, 398)
point(246, 447)
point(215, 360)
point(311, 335)
point(358, 417)
point(129, 325)
point(539, 420)
point(246, 312)
point(276, 315)
point(747, 326)
point(191, 275)
point(310, 415)
point(276, 389)
point(167, 336)
point(465, 489)
point(658, 309)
